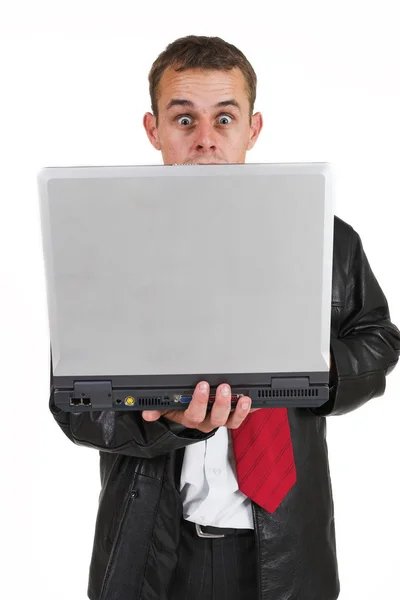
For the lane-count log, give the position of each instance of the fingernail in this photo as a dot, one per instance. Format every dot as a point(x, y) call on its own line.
point(204, 386)
point(245, 405)
point(225, 390)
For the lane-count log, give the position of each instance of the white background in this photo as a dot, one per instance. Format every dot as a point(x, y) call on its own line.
point(73, 92)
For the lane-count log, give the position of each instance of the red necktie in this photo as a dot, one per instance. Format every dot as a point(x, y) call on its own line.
point(263, 450)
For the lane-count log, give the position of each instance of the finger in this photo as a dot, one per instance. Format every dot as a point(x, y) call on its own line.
point(240, 413)
point(222, 406)
point(197, 409)
point(151, 415)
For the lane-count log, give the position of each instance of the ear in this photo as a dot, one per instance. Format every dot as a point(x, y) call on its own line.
point(255, 129)
point(149, 123)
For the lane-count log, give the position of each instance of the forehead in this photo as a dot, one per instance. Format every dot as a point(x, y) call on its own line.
point(202, 87)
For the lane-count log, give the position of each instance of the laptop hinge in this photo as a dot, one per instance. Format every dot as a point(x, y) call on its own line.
point(290, 382)
point(97, 394)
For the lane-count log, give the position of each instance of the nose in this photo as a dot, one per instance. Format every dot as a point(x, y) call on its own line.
point(205, 137)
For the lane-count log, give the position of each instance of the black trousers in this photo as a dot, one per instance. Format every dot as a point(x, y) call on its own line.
point(215, 568)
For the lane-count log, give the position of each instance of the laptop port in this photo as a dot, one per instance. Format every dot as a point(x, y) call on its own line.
point(80, 402)
point(75, 401)
point(129, 401)
point(185, 399)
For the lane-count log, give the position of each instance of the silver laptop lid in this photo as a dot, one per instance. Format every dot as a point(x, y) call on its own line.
point(188, 268)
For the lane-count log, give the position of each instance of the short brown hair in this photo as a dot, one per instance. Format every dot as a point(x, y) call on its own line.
point(200, 52)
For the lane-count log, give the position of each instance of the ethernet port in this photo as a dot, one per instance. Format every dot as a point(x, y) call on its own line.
point(75, 401)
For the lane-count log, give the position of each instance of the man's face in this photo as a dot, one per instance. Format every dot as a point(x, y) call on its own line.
point(203, 117)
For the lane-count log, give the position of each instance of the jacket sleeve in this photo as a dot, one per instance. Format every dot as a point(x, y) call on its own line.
point(368, 344)
point(123, 432)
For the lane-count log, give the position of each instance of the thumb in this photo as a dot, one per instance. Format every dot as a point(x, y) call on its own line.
point(151, 415)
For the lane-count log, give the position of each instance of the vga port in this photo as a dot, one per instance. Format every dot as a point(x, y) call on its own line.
point(185, 399)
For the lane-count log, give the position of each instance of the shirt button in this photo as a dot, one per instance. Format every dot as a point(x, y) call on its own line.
point(217, 471)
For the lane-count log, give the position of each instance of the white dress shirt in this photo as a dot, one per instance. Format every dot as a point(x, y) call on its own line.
point(209, 487)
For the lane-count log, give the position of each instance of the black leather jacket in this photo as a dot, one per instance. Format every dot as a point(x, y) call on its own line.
point(137, 528)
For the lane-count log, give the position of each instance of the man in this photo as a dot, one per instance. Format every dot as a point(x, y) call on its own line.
point(158, 470)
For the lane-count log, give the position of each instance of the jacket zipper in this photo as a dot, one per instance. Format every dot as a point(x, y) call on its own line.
point(257, 538)
point(116, 542)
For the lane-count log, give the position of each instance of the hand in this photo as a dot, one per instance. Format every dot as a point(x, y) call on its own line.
point(196, 417)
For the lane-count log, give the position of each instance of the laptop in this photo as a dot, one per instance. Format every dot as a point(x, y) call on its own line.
point(160, 276)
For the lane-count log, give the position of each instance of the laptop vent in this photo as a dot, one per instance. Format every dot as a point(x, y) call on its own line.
point(305, 393)
point(151, 401)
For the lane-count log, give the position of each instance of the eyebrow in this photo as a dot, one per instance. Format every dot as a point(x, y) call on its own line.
point(190, 104)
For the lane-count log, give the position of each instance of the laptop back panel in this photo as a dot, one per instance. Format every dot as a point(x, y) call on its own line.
point(160, 276)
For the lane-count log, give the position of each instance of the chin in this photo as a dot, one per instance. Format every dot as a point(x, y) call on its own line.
point(205, 162)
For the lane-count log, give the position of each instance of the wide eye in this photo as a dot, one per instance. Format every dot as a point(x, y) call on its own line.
point(182, 119)
point(225, 117)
